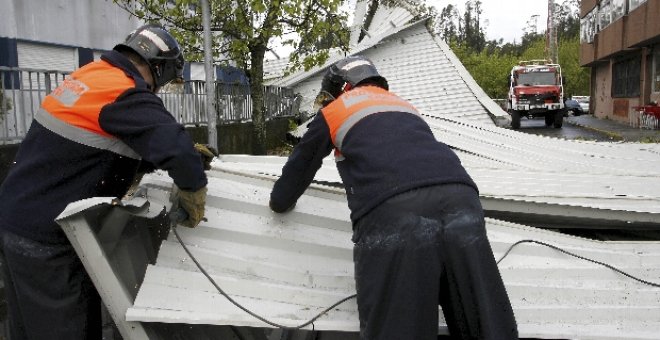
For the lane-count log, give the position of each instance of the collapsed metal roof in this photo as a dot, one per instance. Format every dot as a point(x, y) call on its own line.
point(529, 178)
point(289, 267)
point(419, 67)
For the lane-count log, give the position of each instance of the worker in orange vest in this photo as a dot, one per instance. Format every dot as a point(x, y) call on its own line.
point(98, 129)
point(418, 225)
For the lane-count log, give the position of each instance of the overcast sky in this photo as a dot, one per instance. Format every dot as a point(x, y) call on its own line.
point(506, 19)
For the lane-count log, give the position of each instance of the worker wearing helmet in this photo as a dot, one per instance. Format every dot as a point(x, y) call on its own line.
point(418, 225)
point(91, 136)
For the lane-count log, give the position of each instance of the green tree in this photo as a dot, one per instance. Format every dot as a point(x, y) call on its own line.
point(490, 62)
point(470, 31)
point(447, 22)
point(577, 77)
point(489, 70)
point(568, 19)
point(244, 30)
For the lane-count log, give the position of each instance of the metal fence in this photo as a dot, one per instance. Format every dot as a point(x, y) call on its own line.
point(233, 102)
point(645, 117)
point(22, 91)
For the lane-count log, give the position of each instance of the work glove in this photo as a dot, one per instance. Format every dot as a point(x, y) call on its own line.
point(193, 202)
point(208, 153)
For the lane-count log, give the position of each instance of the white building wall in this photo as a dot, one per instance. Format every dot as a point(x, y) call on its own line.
point(81, 23)
point(8, 22)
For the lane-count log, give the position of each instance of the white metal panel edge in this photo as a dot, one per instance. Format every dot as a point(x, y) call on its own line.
point(606, 196)
point(485, 100)
point(95, 260)
point(270, 263)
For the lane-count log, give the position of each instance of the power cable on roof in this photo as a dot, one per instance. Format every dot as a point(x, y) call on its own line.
point(311, 321)
point(258, 317)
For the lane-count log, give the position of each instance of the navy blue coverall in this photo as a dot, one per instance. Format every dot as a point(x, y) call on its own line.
point(418, 225)
point(49, 294)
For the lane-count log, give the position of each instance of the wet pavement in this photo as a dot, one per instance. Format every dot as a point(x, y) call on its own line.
point(588, 127)
point(615, 130)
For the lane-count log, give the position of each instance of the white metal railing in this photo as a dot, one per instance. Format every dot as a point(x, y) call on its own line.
point(22, 90)
point(645, 117)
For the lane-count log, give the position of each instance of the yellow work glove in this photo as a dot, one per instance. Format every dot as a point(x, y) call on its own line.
point(193, 202)
point(207, 152)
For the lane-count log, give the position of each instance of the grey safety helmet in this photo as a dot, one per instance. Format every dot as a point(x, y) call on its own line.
point(352, 70)
point(347, 74)
point(160, 50)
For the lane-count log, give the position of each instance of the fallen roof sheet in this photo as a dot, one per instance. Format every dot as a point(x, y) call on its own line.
point(289, 267)
point(419, 67)
point(519, 173)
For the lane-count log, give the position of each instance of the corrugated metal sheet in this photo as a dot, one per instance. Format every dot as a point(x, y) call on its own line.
point(516, 171)
point(384, 21)
point(358, 21)
point(289, 267)
point(419, 68)
point(274, 69)
point(46, 57)
point(387, 18)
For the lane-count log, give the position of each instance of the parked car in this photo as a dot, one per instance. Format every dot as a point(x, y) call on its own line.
point(573, 107)
point(583, 101)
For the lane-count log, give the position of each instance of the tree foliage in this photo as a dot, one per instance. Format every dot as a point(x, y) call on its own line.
point(244, 30)
point(490, 61)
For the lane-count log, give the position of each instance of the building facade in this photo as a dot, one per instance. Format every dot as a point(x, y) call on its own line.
point(620, 42)
point(59, 35)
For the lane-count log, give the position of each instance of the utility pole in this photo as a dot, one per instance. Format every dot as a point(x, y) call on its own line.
point(210, 78)
point(551, 48)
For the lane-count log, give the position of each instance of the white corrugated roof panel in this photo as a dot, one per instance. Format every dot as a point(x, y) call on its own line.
point(387, 18)
point(538, 170)
point(291, 266)
point(419, 68)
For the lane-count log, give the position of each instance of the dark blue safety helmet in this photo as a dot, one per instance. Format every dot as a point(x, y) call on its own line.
point(159, 49)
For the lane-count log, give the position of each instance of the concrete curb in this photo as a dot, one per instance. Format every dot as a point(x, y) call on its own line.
point(611, 134)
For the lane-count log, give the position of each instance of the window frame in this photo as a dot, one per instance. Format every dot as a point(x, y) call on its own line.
point(632, 4)
point(626, 77)
point(655, 71)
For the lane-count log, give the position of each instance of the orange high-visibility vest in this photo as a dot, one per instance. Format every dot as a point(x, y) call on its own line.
point(72, 109)
point(351, 107)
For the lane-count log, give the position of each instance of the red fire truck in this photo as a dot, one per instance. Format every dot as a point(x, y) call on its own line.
point(536, 89)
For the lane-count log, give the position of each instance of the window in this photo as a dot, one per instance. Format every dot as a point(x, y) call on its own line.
point(618, 9)
point(656, 69)
point(626, 78)
point(604, 14)
point(537, 78)
point(588, 27)
point(632, 4)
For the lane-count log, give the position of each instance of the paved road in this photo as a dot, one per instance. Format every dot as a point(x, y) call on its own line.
point(567, 131)
point(588, 127)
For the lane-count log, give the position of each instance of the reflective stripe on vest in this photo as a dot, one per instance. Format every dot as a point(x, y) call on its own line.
point(72, 109)
point(351, 107)
point(83, 136)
